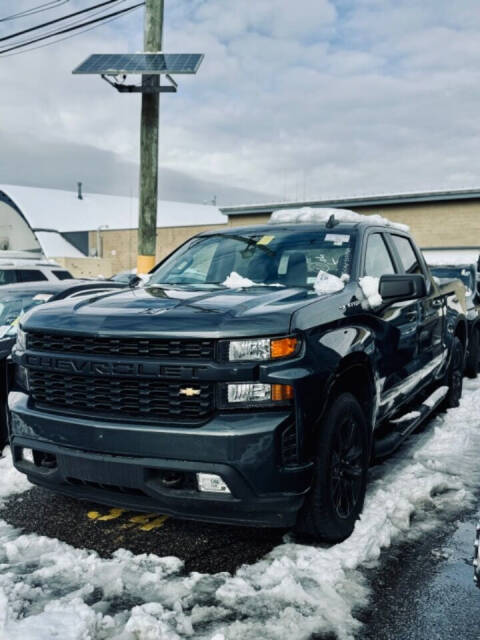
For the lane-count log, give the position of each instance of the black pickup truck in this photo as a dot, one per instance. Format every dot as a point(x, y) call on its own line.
point(252, 381)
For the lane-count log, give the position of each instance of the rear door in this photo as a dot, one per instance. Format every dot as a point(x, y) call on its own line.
point(431, 308)
point(397, 346)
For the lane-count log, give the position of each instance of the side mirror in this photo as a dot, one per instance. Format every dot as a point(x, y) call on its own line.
point(402, 287)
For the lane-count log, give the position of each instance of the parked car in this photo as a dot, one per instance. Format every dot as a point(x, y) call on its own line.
point(15, 301)
point(13, 271)
point(467, 273)
point(251, 381)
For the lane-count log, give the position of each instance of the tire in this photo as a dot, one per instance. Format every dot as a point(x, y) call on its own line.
point(473, 361)
point(454, 376)
point(339, 482)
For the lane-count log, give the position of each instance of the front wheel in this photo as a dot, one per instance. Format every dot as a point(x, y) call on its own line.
point(340, 474)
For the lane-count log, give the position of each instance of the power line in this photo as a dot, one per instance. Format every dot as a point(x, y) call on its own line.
point(53, 4)
point(74, 28)
point(78, 21)
point(47, 24)
point(73, 35)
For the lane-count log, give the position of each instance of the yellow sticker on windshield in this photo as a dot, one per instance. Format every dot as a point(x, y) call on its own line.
point(266, 239)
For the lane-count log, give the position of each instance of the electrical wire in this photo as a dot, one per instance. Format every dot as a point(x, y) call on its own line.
point(73, 35)
point(79, 21)
point(47, 24)
point(47, 6)
point(73, 28)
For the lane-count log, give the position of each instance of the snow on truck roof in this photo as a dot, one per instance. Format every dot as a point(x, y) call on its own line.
point(307, 215)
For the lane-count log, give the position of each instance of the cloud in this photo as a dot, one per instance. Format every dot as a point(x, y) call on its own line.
point(313, 98)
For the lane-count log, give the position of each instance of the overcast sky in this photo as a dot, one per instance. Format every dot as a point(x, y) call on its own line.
point(295, 99)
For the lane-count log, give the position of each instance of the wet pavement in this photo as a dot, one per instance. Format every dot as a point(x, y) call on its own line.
point(424, 590)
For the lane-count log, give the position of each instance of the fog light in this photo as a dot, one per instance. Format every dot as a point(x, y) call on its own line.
point(249, 392)
point(212, 483)
point(27, 455)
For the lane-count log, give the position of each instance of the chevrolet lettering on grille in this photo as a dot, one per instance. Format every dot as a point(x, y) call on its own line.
point(109, 368)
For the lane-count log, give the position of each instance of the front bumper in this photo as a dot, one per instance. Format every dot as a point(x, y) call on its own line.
point(123, 464)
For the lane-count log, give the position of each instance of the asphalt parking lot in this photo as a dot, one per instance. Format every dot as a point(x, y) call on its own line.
point(205, 548)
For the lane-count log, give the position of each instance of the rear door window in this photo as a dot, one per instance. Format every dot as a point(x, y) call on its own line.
point(62, 275)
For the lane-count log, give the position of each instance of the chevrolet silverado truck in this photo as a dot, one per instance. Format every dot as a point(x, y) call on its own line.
point(252, 381)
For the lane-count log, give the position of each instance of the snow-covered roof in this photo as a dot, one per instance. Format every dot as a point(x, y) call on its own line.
point(54, 245)
point(63, 211)
point(443, 257)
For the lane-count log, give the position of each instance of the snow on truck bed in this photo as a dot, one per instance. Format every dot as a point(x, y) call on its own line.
point(49, 589)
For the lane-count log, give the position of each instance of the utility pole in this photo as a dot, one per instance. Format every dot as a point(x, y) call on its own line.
point(149, 128)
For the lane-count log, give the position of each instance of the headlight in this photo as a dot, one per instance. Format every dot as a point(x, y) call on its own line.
point(262, 348)
point(21, 339)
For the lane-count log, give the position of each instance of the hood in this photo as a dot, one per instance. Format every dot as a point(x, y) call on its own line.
point(175, 312)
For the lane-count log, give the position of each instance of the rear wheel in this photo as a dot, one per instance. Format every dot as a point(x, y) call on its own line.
point(473, 361)
point(454, 376)
point(340, 475)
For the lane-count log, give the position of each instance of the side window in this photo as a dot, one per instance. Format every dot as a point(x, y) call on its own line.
point(407, 255)
point(30, 275)
point(377, 259)
point(63, 275)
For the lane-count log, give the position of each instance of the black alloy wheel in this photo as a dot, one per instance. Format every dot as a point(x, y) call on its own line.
point(346, 467)
point(336, 497)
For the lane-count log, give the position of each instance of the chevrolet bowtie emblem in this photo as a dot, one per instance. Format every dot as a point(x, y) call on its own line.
point(189, 392)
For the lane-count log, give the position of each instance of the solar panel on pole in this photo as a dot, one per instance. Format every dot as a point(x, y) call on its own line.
point(140, 63)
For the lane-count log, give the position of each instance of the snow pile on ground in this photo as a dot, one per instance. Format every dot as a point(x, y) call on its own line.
point(236, 281)
point(369, 286)
point(327, 283)
point(322, 214)
point(11, 481)
point(49, 589)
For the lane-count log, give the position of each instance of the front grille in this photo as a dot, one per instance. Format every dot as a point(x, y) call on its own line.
point(148, 400)
point(141, 347)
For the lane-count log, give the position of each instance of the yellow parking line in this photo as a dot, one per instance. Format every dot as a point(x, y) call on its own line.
point(154, 524)
point(112, 514)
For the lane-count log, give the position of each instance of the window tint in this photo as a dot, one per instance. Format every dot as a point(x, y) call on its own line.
point(30, 275)
point(63, 275)
point(377, 259)
point(408, 257)
point(7, 276)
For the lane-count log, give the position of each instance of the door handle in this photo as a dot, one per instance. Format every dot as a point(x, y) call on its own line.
point(437, 302)
point(412, 315)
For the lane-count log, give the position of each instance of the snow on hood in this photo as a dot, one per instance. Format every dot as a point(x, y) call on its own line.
point(369, 286)
point(322, 214)
point(328, 283)
point(47, 587)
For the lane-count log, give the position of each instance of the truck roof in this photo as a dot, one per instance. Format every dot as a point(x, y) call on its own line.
point(270, 228)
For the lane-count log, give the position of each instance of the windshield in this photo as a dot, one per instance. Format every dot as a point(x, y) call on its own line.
point(449, 273)
point(285, 258)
